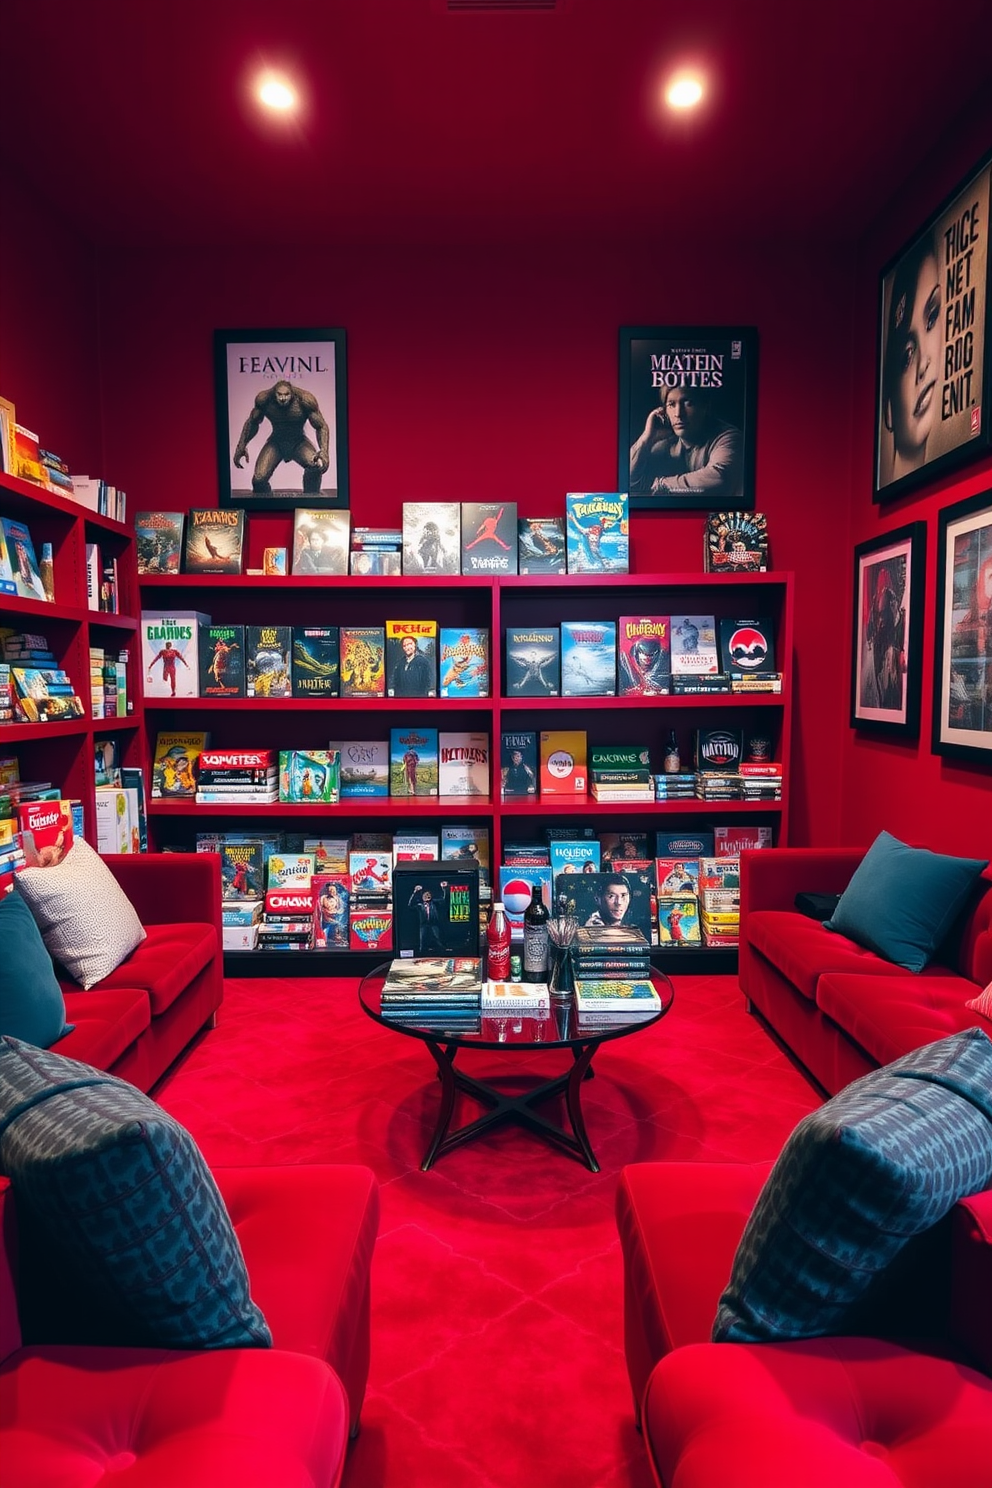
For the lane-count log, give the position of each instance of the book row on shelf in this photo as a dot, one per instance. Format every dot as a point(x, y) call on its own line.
point(423, 762)
point(185, 655)
point(592, 535)
point(22, 455)
point(34, 689)
point(29, 576)
point(430, 890)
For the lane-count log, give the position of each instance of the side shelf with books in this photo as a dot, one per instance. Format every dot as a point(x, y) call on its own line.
point(68, 632)
point(525, 605)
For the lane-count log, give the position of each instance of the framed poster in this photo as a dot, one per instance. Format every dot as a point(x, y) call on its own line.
point(932, 388)
point(888, 631)
point(282, 428)
point(688, 405)
point(962, 693)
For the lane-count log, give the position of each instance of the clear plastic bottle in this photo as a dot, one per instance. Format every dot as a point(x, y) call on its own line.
point(498, 945)
point(536, 919)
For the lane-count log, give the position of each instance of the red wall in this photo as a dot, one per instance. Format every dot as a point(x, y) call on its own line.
point(917, 795)
point(491, 375)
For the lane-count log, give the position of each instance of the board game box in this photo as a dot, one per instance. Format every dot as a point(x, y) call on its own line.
point(541, 545)
point(432, 534)
point(464, 661)
point(364, 766)
point(588, 658)
point(532, 662)
point(316, 661)
point(411, 658)
point(320, 542)
point(413, 761)
point(489, 537)
point(214, 540)
point(597, 528)
point(644, 655)
point(222, 661)
point(268, 669)
point(363, 660)
point(463, 763)
point(158, 541)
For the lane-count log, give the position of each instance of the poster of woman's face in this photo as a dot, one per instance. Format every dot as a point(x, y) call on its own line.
point(962, 708)
point(888, 590)
point(932, 406)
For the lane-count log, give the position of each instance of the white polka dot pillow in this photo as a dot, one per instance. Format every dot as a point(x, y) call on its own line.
point(87, 922)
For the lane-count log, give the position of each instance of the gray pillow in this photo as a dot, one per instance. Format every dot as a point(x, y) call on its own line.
point(86, 920)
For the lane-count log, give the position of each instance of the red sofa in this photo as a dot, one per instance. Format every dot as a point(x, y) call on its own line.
point(839, 1008)
point(139, 1019)
point(909, 1405)
point(71, 1415)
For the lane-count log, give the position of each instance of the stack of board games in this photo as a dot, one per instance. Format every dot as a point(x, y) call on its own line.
point(268, 672)
point(287, 921)
point(308, 777)
point(735, 542)
point(621, 772)
point(761, 781)
point(170, 647)
point(370, 873)
point(597, 527)
point(533, 661)
point(437, 990)
point(541, 545)
point(644, 656)
point(730, 842)
point(44, 695)
point(240, 922)
point(679, 785)
point(463, 661)
point(432, 536)
point(316, 661)
point(376, 550)
point(320, 543)
point(678, 903)
point(747, 655)
point(411, 658)
point(237, 777)
point(489, 537)
point(222, 661)
point(720, 900)
point(718, 753)
point(214, 540)
point(158, 541)
point(588, 658)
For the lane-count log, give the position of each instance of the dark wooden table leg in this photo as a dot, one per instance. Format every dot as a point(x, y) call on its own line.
point(443, 1058)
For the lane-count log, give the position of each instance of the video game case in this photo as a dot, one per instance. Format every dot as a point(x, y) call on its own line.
point(597, 527)
point(431, 537)
point(363, 660)
point(541, 545)
point(489, 537)
point(463, 661)
point(411, 658)
point(214, 540)
point(222, 661)
point(588, 658)
point(644, 656)
point(413, 761)
point(316, 669)
point(268, 668)
point(533, 662)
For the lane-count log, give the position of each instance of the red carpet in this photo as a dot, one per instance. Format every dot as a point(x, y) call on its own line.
point(497, 1353)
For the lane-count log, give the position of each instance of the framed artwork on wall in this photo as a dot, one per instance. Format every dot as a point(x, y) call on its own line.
point(688, 410)
point(932, 403)
point(888, 632)
point(282, 427)
point(962, 694)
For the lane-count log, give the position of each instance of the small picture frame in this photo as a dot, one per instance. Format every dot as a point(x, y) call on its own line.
point(688, 412)
point(962, 696)
point(887, 645)
point(282, 426)
point(932, 399)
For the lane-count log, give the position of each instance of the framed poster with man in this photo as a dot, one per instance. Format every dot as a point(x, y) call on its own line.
point(688, 410)
point(887, 652)
point(932, 403)
point(282, 427)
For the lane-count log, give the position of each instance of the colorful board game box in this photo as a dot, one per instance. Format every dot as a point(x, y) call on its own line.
point(331, 906)
point(308, 776)
point(170, 644)
point(364, 766)
point(268, 667)
point(463, 764)
point(158, 541)
point(541, 545)
point(644, 655)
point(222, 661)
point(413, 761)
point(320, 542)
point(286, 870)
point(242, 867)
point(597, 528)
point(463, 659)
point(363, 661)
point(370, 929)
point(588, 658)
point(518, 764)
point(432, 535)
point(563, 762)
point(489, 537)
point(411, 658)
point(214, 540)
point(316, 661)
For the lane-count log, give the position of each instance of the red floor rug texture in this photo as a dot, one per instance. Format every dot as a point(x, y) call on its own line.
point(497, 1349)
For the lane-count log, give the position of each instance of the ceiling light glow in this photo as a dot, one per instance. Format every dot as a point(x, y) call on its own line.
point(683, 92)
point(277, 94)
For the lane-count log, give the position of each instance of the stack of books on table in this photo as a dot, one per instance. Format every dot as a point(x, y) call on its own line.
point(610, 950)
point(237, 777)
point(603, 1002)
point(439, 991)
point(620, 772)
point(510, 999)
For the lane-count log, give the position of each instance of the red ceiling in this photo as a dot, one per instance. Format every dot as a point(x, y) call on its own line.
point(129, 117)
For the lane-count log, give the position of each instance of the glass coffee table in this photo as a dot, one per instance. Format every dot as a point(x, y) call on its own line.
point(557, 1030)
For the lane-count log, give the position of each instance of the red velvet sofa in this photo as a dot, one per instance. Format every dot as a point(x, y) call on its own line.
point(841, 1009)
point(71, 1414)
point(141, 1017)
point(909, 1403)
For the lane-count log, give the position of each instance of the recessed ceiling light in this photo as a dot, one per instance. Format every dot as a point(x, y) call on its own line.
point(683, 92)
point(277, 94)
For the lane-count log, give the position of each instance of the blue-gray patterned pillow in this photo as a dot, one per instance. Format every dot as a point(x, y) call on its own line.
point(882, 1161)
point(124, 1205)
